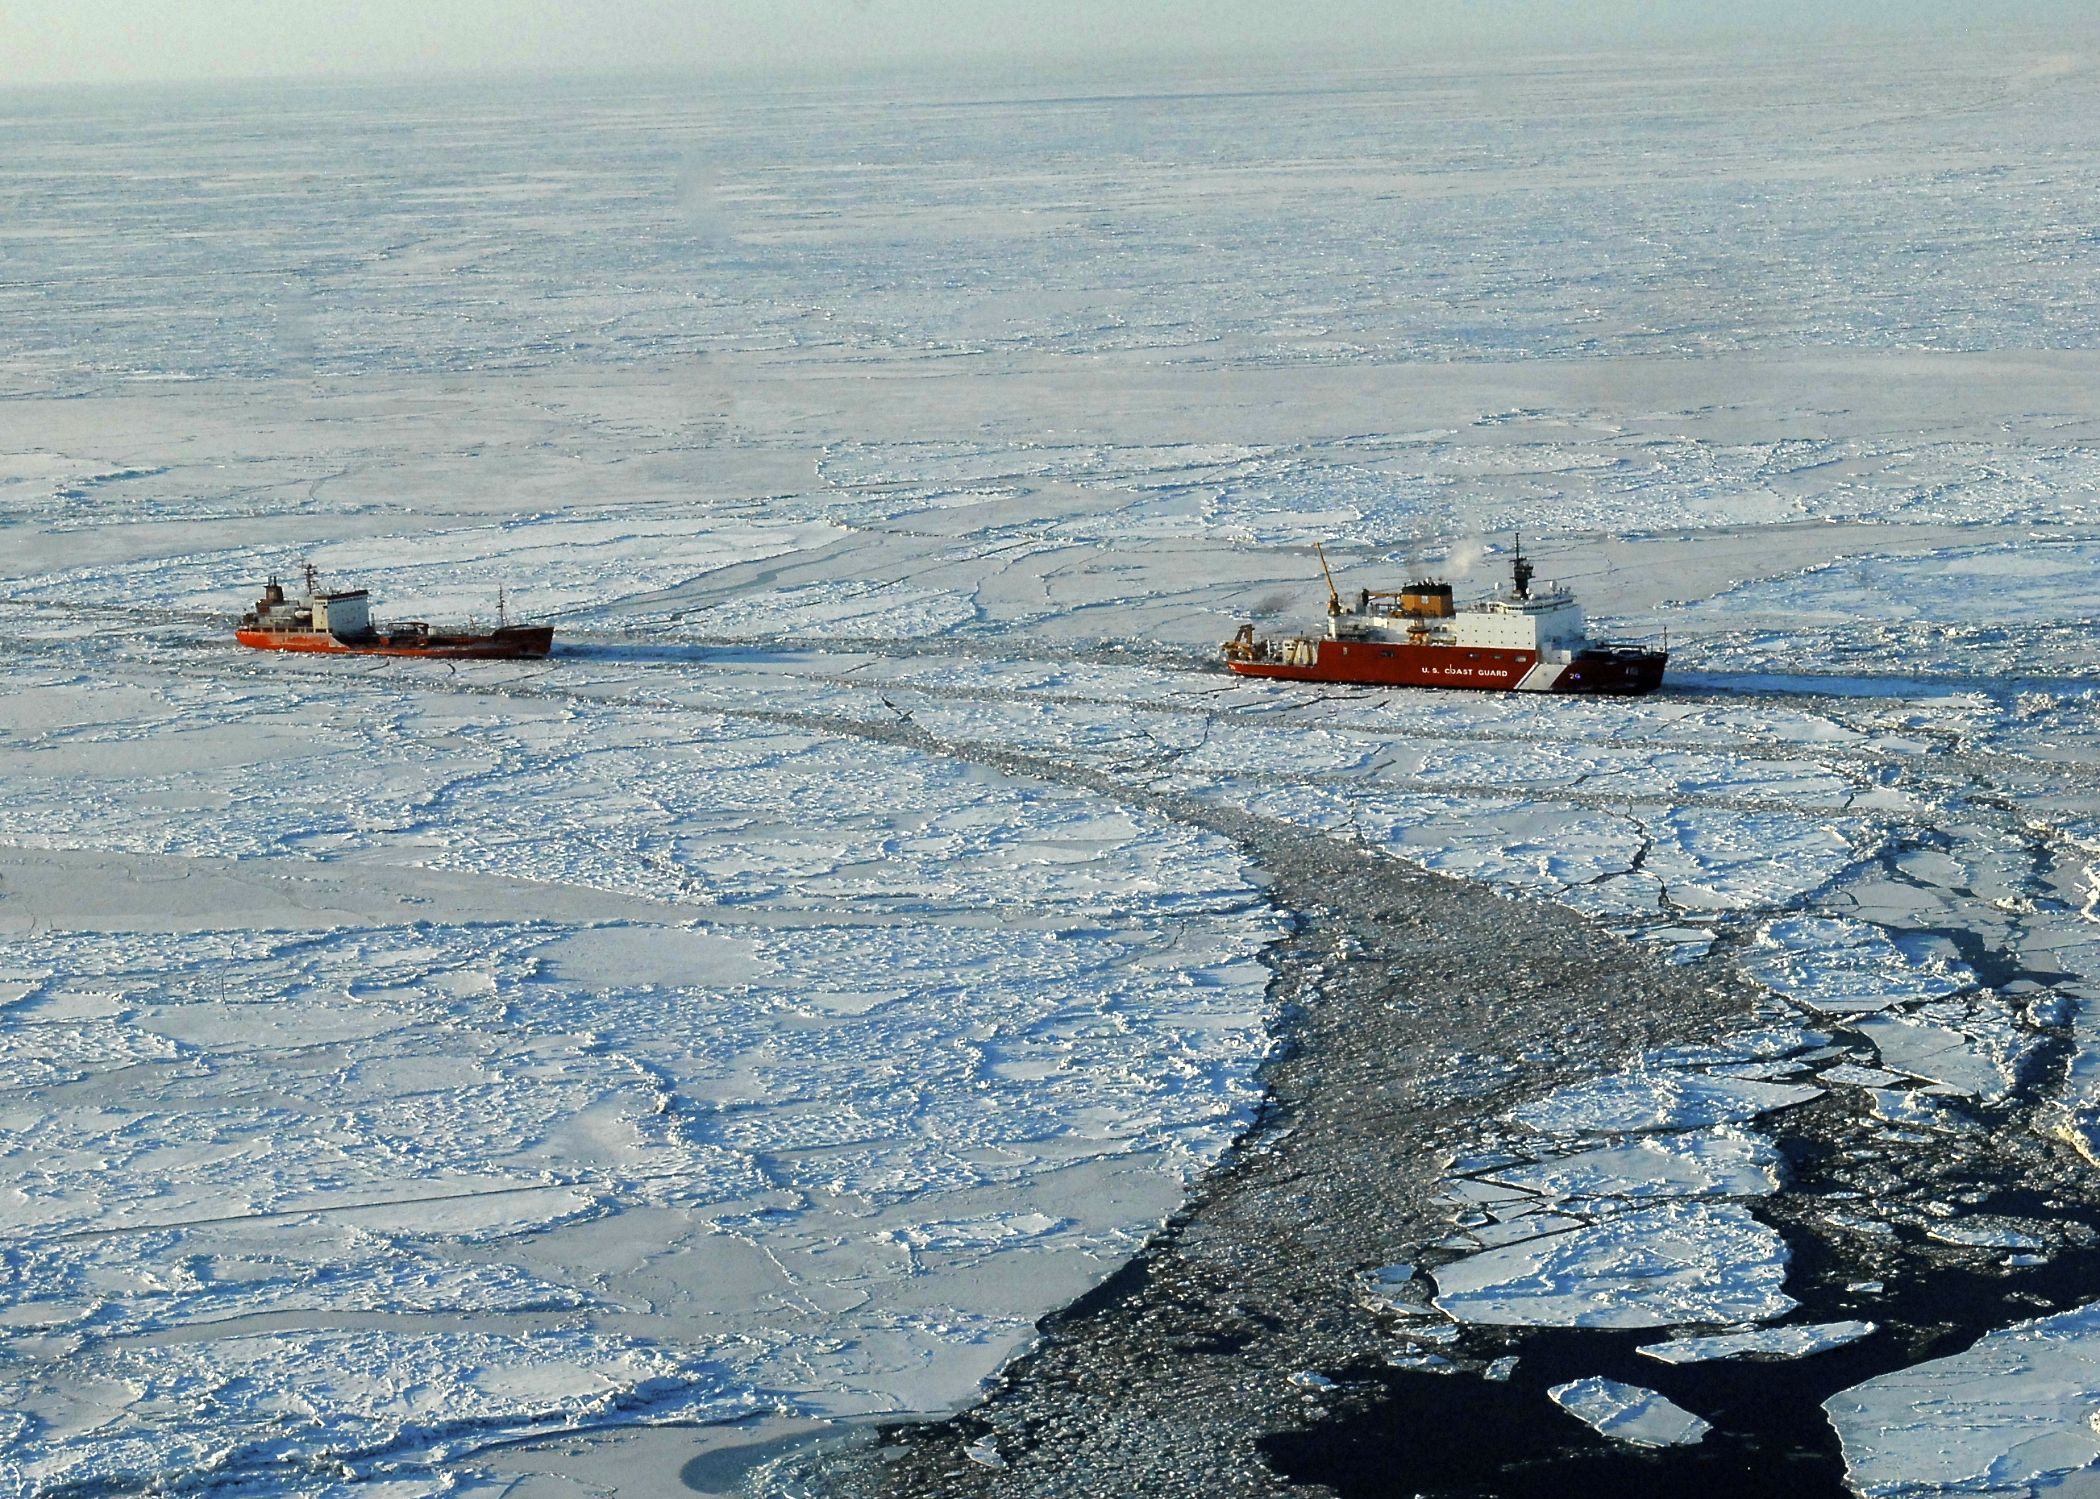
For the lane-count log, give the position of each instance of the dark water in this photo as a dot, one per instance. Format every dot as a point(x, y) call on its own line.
point(1452, 1435)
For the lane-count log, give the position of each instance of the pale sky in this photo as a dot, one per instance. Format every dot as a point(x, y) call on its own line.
point(91, 41)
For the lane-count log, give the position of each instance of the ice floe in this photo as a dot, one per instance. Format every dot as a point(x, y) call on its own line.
point(1796, 1340)
point(1846, 967)
point(1980, 1234)
point(2010, 1415)
point(1919, 1109)
point(1981, 1060)
point(1641, 1101)
point(1677, 1261)
point(1704, 1163)
point(1627, 1413)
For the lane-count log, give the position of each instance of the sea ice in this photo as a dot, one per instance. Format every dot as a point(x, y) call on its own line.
point(1941, 1054)
point(1766, 1043)
point(1796, 1340)
point(1515, 1230)
point(556, 565)
point(1858, 1077)
point(1702, 1163)
point(1640, 1101)
point(1913, 1107)
point(1627, 1413)
point(918, 1068)
point(1679, 1261)
point(637, 973)
point(1845, 967)
point(2010, 1415)
point(1982, 1235)
point(1996, 583)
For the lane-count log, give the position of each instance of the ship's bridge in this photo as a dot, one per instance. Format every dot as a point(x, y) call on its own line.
point(343, 614)
point(346, 615)
point(1545, 619)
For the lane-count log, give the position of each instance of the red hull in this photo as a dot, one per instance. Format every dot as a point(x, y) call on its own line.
point(1381, 664)
point(519, 641)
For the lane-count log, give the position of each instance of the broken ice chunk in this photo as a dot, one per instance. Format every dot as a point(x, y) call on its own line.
point(1846, 967)
point(1940, 1054)
point(1674, 1262)
point(1629, 1102)
point(1501, 1369)
point(1762, 1045)
point(2010, 1415)
point(1719, 1162)
point(1860, 1225)
point(1687, 944)
point(1797, 1341)
point(1922, 1109)
point(1436, 1362)
point(1760, 1071)
point(2046, 1009)
point(1389, 1289)
point(1628, 1413)
point(1307, 1379)
point(1984, 1234)
point(985, 1450)
point(1858, 1077)
point(1531, 1226)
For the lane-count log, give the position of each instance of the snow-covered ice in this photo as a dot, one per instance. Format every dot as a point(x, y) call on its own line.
point(636, 1037)
point(1846, 967)
point(1677, 1261)
point(2010, 1415)
point(805, 1036)
point(1627, 1413)
point(1978, 1234)
point(1795, 1340)
point(1720, 1162)
point(1981, 1060)
point(1630, 1101)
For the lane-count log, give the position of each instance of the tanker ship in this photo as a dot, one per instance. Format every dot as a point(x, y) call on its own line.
point(1521, 639)
point(341, 624)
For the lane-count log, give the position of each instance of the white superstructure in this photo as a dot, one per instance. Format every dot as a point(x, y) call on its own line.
point(1546, 620)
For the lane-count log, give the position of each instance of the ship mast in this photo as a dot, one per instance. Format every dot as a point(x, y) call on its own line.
point(1520, 572)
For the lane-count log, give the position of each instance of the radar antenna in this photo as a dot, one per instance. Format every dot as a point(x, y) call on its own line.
point(1334, 600)
point(1520, 572)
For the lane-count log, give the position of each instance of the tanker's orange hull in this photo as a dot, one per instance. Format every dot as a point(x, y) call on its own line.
point(503, 645)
